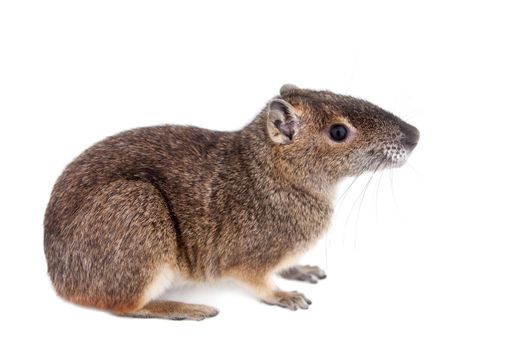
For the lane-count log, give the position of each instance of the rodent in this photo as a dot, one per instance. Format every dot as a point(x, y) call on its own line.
point(154, 206)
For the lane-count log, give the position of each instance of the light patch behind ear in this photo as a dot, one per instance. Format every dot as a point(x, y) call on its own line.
point(282, 122)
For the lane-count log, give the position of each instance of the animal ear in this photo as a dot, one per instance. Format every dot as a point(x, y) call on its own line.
point(286, 88)
point(282, 122)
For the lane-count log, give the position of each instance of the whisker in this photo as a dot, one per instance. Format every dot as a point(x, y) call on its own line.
point(359, 210)
point(349, 215)
point(360, 198)
point(392, 191)
point(413, 168)
point(338, 205)
point(377, 194)
point(326, 251)
point(343, 196)
point(361, 203)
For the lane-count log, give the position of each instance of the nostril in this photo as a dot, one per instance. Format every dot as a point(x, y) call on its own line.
point(409, 143)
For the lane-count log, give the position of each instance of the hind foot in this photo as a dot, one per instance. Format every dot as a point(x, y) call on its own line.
point(173, 310)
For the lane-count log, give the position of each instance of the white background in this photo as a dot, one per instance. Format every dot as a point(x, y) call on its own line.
point(433, 259)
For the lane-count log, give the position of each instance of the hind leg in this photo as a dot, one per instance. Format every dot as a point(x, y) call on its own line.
point(119, 253)
point(172, 310)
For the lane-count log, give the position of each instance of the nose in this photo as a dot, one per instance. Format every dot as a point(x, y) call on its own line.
point(411, 135)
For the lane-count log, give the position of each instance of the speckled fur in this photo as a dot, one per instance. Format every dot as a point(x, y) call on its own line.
point(207, 204)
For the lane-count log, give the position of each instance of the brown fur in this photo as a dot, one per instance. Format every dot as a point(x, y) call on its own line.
point(209, 204)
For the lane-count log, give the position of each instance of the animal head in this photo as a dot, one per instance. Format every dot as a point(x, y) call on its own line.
point(332, 136)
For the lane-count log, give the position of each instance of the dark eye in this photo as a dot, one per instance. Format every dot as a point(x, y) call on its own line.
point(338, 132)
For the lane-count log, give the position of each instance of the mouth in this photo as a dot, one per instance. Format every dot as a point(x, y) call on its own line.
point(387, 157)
point(384, 156)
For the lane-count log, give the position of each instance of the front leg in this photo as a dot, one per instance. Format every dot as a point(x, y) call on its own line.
point(289, 300)
point(304, 273)
point(262, 286)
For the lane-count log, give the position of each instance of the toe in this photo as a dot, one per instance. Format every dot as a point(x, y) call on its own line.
point(301, 302)
point(312, 279)
point(318, 272)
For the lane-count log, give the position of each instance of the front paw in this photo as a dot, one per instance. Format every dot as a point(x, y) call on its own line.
point(289, 300)
point(304, 273)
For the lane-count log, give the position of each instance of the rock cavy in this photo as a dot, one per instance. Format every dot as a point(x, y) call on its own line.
point(153, 206)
